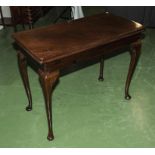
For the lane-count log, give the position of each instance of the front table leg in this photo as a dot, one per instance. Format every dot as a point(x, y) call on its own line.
point(23, 71)
point(135, 51)
point(47, 81)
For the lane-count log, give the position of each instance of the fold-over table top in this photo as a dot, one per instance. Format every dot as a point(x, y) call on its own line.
point(53, 42)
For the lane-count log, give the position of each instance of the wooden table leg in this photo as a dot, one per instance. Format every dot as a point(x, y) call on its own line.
point(47, 81)
point(135, 51)
point(23, 71)
point(101, 78)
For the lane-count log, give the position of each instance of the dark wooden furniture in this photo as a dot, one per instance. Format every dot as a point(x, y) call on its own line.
point(49, 49)
point(27, 15)
point(24, 15)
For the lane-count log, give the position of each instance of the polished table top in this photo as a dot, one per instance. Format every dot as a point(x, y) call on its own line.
point(54, 42)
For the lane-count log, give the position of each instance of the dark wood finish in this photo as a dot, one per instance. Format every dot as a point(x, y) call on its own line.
point(22, 63)
point(47, 81)
point(24, 15)
point(27, 14)
point(49, 49)
point(135, 50)
point(101, 78)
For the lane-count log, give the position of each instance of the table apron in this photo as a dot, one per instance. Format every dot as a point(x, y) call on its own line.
point(91, 54)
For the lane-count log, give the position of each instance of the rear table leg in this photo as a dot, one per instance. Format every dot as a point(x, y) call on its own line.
point(101, 78)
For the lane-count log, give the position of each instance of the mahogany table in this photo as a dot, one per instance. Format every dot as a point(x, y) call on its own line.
point(49, 49)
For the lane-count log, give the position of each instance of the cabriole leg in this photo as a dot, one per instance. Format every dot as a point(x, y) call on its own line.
point(135, 51)
point(47, 81)
point(23, 72)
